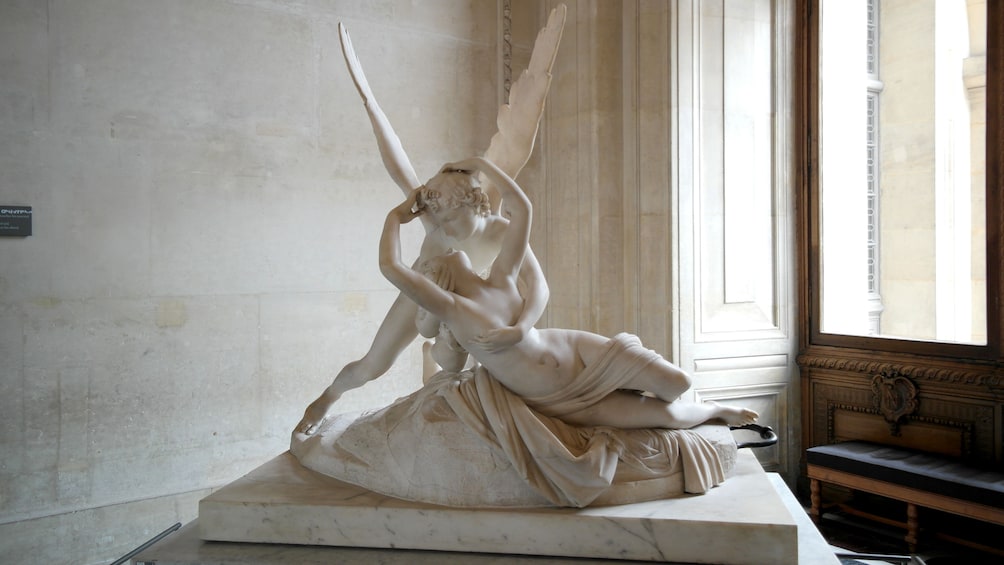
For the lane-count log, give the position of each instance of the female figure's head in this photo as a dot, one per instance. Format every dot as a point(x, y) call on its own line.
point(454, 200)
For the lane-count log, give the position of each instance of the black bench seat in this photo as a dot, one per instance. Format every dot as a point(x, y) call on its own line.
point(917, 478)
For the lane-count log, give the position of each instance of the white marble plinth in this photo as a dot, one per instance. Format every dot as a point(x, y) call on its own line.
point(741, 521)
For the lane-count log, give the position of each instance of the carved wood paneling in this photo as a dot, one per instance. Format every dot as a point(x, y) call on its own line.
point(938, 406)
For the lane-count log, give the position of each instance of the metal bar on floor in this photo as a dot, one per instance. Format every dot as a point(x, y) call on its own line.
point(152, 541)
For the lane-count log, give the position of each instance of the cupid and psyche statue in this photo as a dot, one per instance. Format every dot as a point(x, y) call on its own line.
point(518, 415)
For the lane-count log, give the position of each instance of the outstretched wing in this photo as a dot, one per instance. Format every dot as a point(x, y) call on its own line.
point(511, 146)
point(391, 151)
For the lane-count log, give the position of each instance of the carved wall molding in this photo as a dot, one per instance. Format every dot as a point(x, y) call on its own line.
point(506, 39)
point(982, 377)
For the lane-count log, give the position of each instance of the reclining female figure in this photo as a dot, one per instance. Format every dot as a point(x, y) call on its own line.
point(547, 366)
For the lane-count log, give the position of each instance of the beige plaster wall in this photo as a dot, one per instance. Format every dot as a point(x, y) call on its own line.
point(206, 197)
point(578, 197)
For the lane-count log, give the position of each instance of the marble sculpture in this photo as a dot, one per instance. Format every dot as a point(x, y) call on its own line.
point(518, 416)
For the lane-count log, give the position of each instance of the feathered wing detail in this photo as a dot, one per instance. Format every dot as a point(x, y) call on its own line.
point(391, 151)
point(517, 121)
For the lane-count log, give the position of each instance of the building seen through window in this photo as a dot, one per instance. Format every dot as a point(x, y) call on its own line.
point(901, 169)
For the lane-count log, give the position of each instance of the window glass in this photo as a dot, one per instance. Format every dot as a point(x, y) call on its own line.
point(902, 218)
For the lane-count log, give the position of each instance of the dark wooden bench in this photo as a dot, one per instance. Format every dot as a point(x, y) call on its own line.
point(917, 478)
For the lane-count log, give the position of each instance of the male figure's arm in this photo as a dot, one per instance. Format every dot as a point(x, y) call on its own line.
point(410, 282)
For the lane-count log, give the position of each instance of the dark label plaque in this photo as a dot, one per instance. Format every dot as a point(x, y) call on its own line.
point(15, 221)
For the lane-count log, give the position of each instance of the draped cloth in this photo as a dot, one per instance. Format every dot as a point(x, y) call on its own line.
point(465, 440)
point(622, 359)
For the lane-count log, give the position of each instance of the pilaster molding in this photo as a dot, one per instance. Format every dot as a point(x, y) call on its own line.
point(505, 49)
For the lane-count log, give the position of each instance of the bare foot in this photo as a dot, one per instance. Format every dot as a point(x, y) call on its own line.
point(315, 414)
point(733, 415)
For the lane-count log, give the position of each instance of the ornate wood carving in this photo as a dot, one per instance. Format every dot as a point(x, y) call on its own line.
point(956, 375)
point(895, 397)
point(961, 423)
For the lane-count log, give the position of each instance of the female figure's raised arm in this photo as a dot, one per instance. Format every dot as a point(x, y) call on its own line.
point(515, 258)
point(535, 293)
point(413, 284)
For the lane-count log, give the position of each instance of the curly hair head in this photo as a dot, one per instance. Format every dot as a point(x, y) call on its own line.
point(452, 189)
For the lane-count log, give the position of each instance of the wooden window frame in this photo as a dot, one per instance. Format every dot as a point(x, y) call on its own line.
point(806, 112)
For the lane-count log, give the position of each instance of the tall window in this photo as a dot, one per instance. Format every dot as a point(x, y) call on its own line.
point(902, 222)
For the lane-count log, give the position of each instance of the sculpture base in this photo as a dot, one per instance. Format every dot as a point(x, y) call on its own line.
point(742, 521)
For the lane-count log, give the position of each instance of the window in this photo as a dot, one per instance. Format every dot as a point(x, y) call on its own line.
point(897, 201)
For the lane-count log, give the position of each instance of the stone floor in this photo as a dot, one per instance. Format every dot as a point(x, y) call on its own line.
point(865, 536)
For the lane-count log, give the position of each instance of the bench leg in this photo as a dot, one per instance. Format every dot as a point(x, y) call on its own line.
point(912, 525)
point(814, 512)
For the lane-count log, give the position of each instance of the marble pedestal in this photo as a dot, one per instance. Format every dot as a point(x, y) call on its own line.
point(741, 521)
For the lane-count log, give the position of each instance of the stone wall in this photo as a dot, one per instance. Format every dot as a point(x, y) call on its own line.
point(207, 198)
